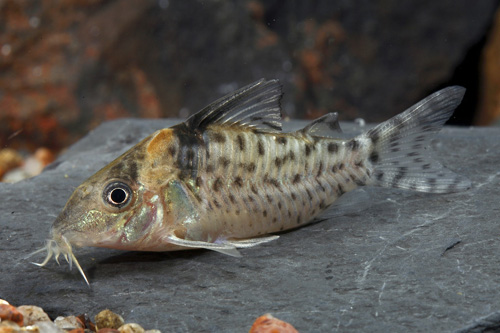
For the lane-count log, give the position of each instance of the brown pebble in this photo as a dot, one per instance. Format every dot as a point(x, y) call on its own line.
point(86, 322)
point(9, 312)
point(268, 324)
point(108, 319)
point(9, 159)
point(32, 314)
point(108, 330)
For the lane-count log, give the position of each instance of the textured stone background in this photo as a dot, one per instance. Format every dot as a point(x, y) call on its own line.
point(384, 268)
point(66, 66)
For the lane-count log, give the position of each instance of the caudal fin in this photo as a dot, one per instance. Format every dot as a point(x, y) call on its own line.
point(399, 146)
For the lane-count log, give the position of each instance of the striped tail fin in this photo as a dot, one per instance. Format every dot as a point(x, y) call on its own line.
point(399, 153)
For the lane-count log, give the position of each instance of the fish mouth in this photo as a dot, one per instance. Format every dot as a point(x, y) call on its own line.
point(55, 248)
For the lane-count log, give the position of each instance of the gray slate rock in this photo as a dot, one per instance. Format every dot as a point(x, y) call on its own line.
point(410, 261)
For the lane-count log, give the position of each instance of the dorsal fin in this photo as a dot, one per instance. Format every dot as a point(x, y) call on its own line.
point(256, 106)
point(325, 126)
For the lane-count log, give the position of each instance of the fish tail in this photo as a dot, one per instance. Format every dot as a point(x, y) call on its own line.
point(398, 152)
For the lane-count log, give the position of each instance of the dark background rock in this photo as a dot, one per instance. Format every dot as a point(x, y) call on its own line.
point(409, 262)
point(67, 66)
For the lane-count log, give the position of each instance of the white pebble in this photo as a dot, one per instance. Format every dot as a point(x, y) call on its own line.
point(33, 314)
point(68, 323)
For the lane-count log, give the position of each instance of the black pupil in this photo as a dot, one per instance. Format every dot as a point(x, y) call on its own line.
point(118, 195)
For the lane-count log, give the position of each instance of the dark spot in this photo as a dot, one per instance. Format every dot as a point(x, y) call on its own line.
point(278, 162)
point(237, 212)
point(322, 205)
point(380, 175)
point(260, 147)
point(198, 181)
point(296, 179)
point(333, 148)
point(320, 185)
point(264, 213)
point(417, 146)
point(335, 168)
point(413, 153)
point(432, 181)
point(306, 166)
point(395, 150)
point(172, 151)
point(217, 185)
point(219, 137)
point(132, 169)
point(282, 228)
point(224, 161)
point(341, 166)
point(251, 167)
point(238, 181)
point(275, 183)
point(241, 142)
point(289, 214)
point(420, 138)
point(359, 164)
point(210, 168)
point(309, 194)
point(308, 150)
point(427, 128)
point(418, 160)
point(275, 220)
point(257, 118)
point(298, 219)
point(279, 205)
point(291, 155)
point(269, 198)
point(320, 169)
point(353, 145)
point(340, 189)
point(358, 181)
point(294, 196)
point(282, 140)
point(251, 198)
point(232, 198)
point(254, 189)
point(426, 166)
point(374, 157)
point(393, 140)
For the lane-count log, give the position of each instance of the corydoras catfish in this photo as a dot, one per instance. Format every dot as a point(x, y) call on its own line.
point(229, 178)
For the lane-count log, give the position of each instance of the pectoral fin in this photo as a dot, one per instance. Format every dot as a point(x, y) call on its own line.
point(250, 242)
point(227, 246)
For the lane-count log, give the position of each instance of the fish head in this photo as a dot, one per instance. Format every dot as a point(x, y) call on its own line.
point(113, 208)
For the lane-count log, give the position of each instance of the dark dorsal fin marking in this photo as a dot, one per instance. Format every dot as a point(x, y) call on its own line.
point(256, 107)
point(325, 126)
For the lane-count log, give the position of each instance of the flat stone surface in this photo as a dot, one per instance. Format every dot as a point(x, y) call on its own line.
point(410, 261)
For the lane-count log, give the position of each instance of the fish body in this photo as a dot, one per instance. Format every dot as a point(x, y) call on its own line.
point(229, 178)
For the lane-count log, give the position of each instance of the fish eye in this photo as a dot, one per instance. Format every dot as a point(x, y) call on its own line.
point(117, 194)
